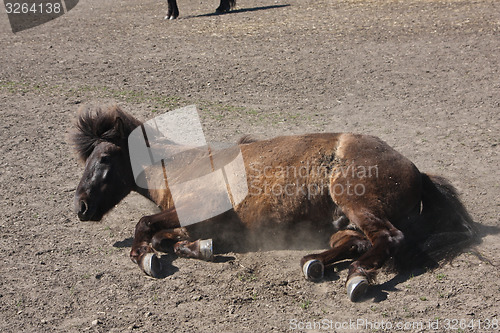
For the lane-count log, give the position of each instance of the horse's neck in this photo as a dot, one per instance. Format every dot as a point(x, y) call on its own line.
point(144, 192)
point(158, 190)
point(154, 176)
point(161, 197)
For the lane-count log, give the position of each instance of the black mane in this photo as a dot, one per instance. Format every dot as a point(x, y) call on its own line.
point(95, 125)
point(246, 139)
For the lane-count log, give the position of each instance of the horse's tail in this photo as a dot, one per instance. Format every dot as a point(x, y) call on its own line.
point(443, 228)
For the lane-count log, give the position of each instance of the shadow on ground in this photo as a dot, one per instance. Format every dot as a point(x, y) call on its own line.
point(236, 11)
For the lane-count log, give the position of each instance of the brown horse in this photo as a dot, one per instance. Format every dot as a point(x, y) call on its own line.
point(373, 201)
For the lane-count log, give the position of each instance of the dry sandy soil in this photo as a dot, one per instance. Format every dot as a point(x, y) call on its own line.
point(421, 74)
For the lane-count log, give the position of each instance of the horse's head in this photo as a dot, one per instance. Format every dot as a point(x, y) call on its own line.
point(107, 179)
point(100, 140)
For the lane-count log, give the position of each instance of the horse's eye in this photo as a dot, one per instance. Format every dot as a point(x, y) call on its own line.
point(105, 159)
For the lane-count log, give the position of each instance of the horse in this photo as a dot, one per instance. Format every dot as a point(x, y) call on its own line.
point(353, 191)
point(173, 10)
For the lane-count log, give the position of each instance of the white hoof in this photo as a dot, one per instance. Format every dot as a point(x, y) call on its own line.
point(206, 249)
point(356, 287)
point(151, 265)
point(313, 270)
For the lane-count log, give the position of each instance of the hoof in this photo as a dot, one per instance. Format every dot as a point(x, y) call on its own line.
point(221, 10)
point(151, 265)
point(356, 287)
point(206, 250)
point(170, 17)
point(313, 270)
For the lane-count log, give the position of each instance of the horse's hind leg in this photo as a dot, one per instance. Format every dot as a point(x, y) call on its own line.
point(385, 240)
point(345, 244)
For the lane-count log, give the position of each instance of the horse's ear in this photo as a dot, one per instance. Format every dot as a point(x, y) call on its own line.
point(120, 127)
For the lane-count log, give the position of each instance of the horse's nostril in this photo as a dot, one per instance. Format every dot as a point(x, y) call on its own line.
point(83, 208)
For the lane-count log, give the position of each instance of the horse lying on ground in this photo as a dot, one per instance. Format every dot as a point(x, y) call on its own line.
point(372, 201)
point(173, 10)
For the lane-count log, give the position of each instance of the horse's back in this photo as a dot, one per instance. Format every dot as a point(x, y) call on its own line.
point(287, 179)
point(296, 177)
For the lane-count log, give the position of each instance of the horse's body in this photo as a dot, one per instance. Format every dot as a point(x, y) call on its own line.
point(173, 10)
point(295, 183)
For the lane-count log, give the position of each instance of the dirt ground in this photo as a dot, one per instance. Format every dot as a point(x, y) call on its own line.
point(421, 74)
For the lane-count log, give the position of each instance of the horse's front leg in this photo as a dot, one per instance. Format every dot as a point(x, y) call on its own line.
point(173, 10)
point(199, 249)
point(142, 253)
point(225, 6)
point(177, 239)
point(165, 240)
